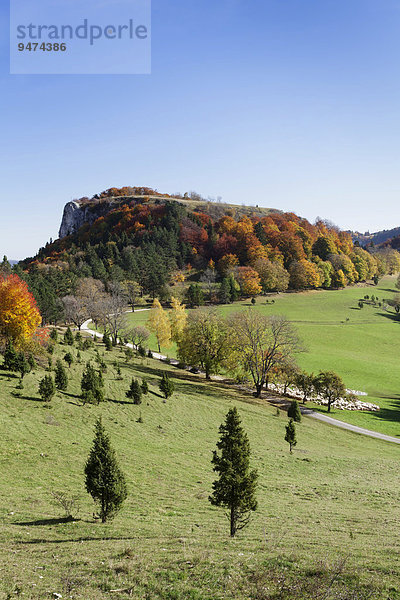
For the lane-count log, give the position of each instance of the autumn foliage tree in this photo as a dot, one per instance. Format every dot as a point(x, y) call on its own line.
point(19, 314)
point(159, 324)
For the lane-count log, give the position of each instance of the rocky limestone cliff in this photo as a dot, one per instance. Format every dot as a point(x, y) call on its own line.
point(72, 219)
point(77, 213)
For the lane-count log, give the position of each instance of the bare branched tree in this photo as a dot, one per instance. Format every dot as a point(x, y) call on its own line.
point(75, 310)
point(262, 343)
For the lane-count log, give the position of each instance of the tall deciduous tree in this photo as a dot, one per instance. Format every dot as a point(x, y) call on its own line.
point(236, 484)
point(159, 324)
point(76, 310)
point(306, 384)
point(330, 385)
point(138, 335)
point(262, 344)
point(178, 318)
point(104, 479)
point(205, 342)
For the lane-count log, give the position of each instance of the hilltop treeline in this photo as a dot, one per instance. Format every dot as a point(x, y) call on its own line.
point(156, 243)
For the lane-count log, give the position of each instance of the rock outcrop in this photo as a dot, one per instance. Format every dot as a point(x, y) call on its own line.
point(73, 218)
point(78, 213)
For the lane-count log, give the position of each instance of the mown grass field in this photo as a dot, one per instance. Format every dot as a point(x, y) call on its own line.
point(335, 499)
point(364, 349)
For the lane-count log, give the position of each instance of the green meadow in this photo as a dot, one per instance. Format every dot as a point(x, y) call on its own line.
point(362, 345)
point(326, 524)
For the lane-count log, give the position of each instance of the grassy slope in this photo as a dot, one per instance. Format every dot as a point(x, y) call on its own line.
point(364, 350)
point(337, 496)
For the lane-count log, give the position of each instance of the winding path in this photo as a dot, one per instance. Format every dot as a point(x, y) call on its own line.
point(307, 412)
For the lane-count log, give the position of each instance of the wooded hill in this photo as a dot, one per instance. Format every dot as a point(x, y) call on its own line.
point(157, 241)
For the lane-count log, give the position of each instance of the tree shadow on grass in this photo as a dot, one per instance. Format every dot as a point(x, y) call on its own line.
point(156, 394)
point(54, 521)
point(33, 399)
point(391, 413)
point(75, 540)
point(391, 316)
point(123, 402)
point(388, 290)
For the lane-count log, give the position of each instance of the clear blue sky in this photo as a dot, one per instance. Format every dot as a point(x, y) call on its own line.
point(293, 104)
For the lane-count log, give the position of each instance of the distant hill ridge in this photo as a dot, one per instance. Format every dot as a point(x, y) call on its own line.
point(377, 238)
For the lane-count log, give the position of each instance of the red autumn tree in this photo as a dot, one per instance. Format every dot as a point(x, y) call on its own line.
point(19, 314)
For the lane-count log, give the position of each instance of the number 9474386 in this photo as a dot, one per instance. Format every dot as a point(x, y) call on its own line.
point(44, 47)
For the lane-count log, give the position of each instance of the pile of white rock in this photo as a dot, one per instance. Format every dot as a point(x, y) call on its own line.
point(350, 402)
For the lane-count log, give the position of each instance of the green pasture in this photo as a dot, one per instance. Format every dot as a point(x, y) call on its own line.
point(327, 513)
point(362, 345)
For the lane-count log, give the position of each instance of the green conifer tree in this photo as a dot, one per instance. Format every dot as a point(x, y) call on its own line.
point(61, 379)
point(69, 359)
point(92, 385)
point(32, 362)
point(22, 365)
point(104, 479)
point(166, 386)
point(47, 389)
point(225, 291)
point(145, 387)
point(135, 392)
point(290, 436)
point(294, 411)
point(235, 488)
point(54, 335)
point(68, 337)
point(10, 357)
point(107, 342)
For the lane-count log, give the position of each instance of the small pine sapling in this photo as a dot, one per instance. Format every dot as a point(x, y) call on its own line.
point(290, 436)
point(47, 388)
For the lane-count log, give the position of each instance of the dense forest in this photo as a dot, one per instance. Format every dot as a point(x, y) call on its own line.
point(151, 244)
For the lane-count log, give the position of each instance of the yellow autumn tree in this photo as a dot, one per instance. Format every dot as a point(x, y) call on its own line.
point(249, 281)
point(178, 318)
point(159, 324)
point(19, 315)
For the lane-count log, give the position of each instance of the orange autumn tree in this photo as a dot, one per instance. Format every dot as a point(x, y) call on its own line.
point(19, 314)
point(249, 281)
